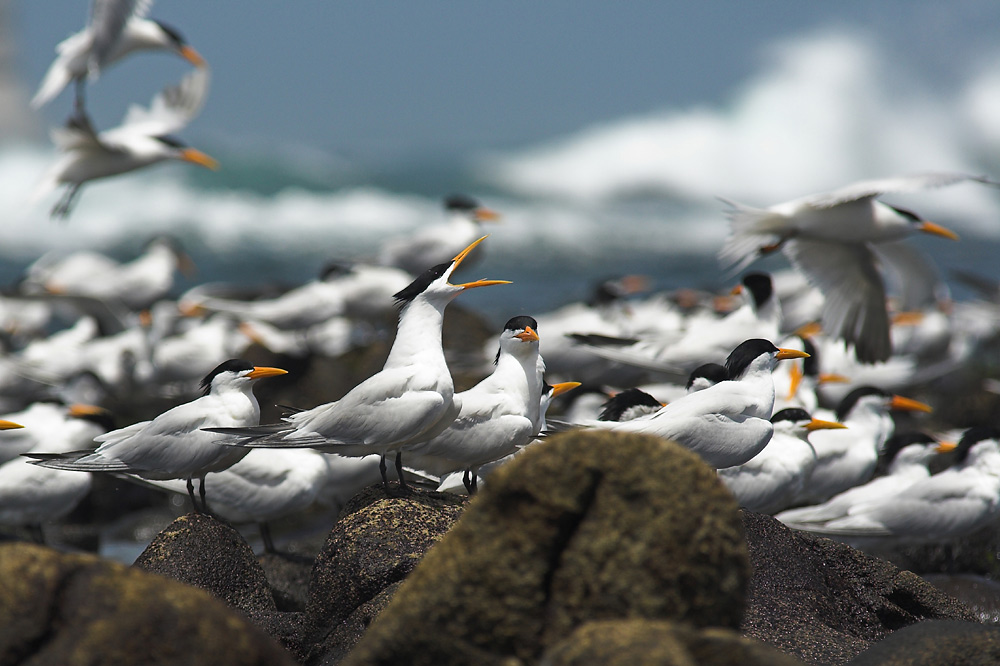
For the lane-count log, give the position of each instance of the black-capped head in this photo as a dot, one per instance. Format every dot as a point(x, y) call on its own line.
point(791, 414)
point(518, 323)
point(851, 399)
point(419, 285)
point(900, 441)
point(232, 365)
point(172, 141)
point(103, 418)
point(460, 203)
point(175, 37)
point(908, 214)
point(810, 365)
point(973, 436)
point(760, 287)
point(619, 403)
point(745, 353)
point(712, 373)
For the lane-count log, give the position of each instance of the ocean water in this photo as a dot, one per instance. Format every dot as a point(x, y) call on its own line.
point(635, 195)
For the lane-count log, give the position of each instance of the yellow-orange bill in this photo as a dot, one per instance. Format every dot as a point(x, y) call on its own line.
point(201, 159)
point(818, 424)
point(937, 230)
point(528, 334)
point(260, 371)
point(563, 387)
point(786, 354)
point(9, 425)
point(909, 405)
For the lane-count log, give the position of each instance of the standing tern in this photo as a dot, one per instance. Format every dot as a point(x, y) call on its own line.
point(116, 29)
point(830, 237)
point(435, 244)
point(145, 137)
point(412, 399)
point(499, 415)
point(907, 457)
point(174, 445)
point(773, 479)
point(848, 458)
point(726, 424)
point(947, 505)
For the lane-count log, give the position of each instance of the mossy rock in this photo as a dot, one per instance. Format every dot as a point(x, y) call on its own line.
point(77, 609)
point(660, 643)
point(587, 526)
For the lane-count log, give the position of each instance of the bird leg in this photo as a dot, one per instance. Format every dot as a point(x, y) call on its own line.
point(265, 536)
point(190, 489)
point(469, 480)
point(381, 468)
point(79, 101)
point(399, 472)
point(65, 203)
point(204, 502)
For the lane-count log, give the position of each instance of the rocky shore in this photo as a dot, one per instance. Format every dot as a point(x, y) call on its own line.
point(592, 548)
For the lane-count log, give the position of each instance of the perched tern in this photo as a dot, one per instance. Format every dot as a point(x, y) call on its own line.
point(907, 456)
point(726, 424)
point(848, 458)
point(411, 400)
point(116, 29)
point(144, 138)
point(947, 505)
point(831, 238)
point(32, 495)
point(435, 244)
point(773, 479)
point(499, 415)
point(174, 445)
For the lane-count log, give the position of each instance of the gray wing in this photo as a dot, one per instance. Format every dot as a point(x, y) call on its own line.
point(873, 188)
point(854, 307)
point(107, 20)
point(171, 110)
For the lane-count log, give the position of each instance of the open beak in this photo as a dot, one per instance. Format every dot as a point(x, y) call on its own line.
point(817, 424)
point(528, 335)
point(909, 405)
point(260, 371)
point(9, 425)
point(460, 257)
point(786, 354)
point(563, 387)
point(192, 56)
point(197, 157)
point(937, 230)
point(946, 447)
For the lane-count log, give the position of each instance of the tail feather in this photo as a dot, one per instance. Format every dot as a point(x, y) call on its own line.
point(78, 461)
point(750, 230)
point(57, 78)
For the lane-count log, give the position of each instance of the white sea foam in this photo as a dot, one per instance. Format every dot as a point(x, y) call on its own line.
point(827, 110)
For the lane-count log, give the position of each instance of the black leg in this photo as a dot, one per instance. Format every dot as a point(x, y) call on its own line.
point(399, 471)
point(381, 468)
point(201, 491)
point(469, 486)
point(190, 489)
point(265, 536)
point(79, 101)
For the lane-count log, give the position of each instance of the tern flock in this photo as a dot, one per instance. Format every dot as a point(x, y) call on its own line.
point(787, 385)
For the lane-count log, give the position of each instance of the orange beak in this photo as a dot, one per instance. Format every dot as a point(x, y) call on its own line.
point(786, 354)
point(563, 387)
point(486, 215)
point(909, 405)
point(192, 56)
point(9, 425)
point(937, 230)
point(197, 157)
point(260, 371)
point(817, 424)
point(946, 447)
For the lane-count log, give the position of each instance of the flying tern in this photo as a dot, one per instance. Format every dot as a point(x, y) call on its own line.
point(116, 29)
point(831, 238)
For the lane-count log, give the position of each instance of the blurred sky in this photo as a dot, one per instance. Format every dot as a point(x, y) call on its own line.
point(378, 80)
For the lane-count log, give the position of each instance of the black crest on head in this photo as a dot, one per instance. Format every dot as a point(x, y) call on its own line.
point(908, 214)
point(417, 287)
point(232, 365)
point(793, 414)
point(518, 323)
point(171, 141)
point(810, 364)
point(851, 399)
point(973, 436)
point(900, 441)
point(713, 372)
point(460, 202)
point(175, 36)
point(760, 287)
point(616, 405)
point(744, 354)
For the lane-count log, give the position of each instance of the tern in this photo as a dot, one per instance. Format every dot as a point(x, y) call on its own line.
point(773, 479)
point(499, 415)
point(947, 505)
point(411, 400)
point(907, 456)
point(173, 445)
point(116, 29)
point(32, 495)
point(726, 424)
point(145, 137)
point(831, 238)
point(848, 458)
point(435, 244)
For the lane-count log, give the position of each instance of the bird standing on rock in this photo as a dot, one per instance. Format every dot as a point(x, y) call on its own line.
point(174, 445)
point(411, 400)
